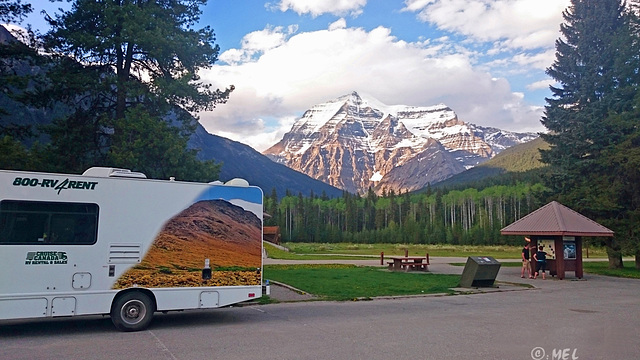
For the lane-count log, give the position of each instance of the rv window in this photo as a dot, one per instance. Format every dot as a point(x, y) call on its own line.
point(35, 222)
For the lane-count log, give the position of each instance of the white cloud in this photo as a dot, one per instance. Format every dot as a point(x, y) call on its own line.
point(542, 84)
point(521, 63)
point(339, 24)
point(260, 137)
point(524, 24)
point(416, 5)
point(264, 39)
point(257, 42)
point(307, 68)
point(540, 61)
point(319, 7)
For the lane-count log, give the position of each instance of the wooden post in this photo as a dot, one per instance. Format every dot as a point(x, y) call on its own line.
point(427, 259)
point(579, 270)
point(559, 245)
point(406, 252)
point(382, 258)
point(533, 247)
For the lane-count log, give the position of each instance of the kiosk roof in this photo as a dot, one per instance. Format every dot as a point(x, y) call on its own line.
point(556, 219)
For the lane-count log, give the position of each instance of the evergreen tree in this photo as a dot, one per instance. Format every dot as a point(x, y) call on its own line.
point(145, 42)
point(11, 10)
point(596, 68)
point(617, 191)
point(157, 147)
point(114, 56)
point(596, 37)
point(271, 208)
point(14, 156)
point(13, 53)
point(19, 63)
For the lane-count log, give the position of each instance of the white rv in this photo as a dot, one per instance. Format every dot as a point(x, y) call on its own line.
point(110, 241)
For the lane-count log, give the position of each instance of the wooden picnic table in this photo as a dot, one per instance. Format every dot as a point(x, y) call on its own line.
point(407, 263)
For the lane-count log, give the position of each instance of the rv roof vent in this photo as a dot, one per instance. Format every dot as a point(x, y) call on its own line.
point(113, 172)
point(217, 182)
point(237, 182)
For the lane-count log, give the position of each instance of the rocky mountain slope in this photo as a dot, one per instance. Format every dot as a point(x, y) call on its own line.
point(356, 142)
point(240, 160)
point(519, 159)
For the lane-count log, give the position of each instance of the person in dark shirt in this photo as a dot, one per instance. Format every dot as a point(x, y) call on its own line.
point(526, 264)
point(541, 262)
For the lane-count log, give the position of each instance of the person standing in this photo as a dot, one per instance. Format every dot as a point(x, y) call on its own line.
point(526, 264)
point(541, 262)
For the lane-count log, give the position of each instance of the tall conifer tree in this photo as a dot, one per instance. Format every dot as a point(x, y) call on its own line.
point(121, 63)
point(596, 68)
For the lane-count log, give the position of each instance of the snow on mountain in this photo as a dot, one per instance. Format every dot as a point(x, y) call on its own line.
point(356, 142)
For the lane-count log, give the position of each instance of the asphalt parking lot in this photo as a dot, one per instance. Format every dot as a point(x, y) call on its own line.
point(594, 318)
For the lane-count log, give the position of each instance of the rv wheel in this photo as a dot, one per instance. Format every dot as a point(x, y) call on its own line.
point(132, 311)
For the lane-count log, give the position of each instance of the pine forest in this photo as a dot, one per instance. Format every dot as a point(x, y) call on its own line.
point(465, 217)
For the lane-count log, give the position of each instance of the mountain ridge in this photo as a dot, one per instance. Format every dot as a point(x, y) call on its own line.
point(519, 159)
point(356, 143)
point(240, 160)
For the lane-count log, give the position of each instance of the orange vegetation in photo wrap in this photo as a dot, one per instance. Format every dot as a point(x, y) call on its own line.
point(226, 234)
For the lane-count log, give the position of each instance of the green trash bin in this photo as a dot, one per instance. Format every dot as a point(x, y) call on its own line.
point(480, 271)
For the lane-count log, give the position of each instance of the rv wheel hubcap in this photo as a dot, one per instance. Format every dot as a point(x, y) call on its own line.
point(133, 311)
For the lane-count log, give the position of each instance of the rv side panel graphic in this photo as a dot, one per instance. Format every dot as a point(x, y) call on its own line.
point(113, 242)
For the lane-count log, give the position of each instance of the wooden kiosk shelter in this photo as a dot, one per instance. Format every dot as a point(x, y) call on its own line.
point(559, 230)
point(271, 234)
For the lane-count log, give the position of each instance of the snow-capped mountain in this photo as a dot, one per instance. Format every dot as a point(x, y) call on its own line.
point(354, 143)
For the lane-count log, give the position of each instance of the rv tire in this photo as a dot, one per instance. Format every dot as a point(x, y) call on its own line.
point(132, 311)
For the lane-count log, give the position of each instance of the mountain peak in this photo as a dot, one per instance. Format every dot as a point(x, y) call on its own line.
point(355, 99)
point(354, 96)
point(355, 142)
point(352, 99)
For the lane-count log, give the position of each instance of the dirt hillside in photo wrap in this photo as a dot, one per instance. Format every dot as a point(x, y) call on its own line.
point(226, 234)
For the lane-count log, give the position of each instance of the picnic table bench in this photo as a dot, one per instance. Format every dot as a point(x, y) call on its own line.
point(408, 263)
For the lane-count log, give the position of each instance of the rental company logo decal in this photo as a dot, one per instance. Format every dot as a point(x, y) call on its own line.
point(46, 258)
point(55, 184)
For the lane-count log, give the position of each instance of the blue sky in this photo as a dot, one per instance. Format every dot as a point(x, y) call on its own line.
point(483, 58)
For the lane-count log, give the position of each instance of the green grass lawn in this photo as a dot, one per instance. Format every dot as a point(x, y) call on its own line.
point(602, 268)
point(348, 282)
point(276, 253)
point(314, 251)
